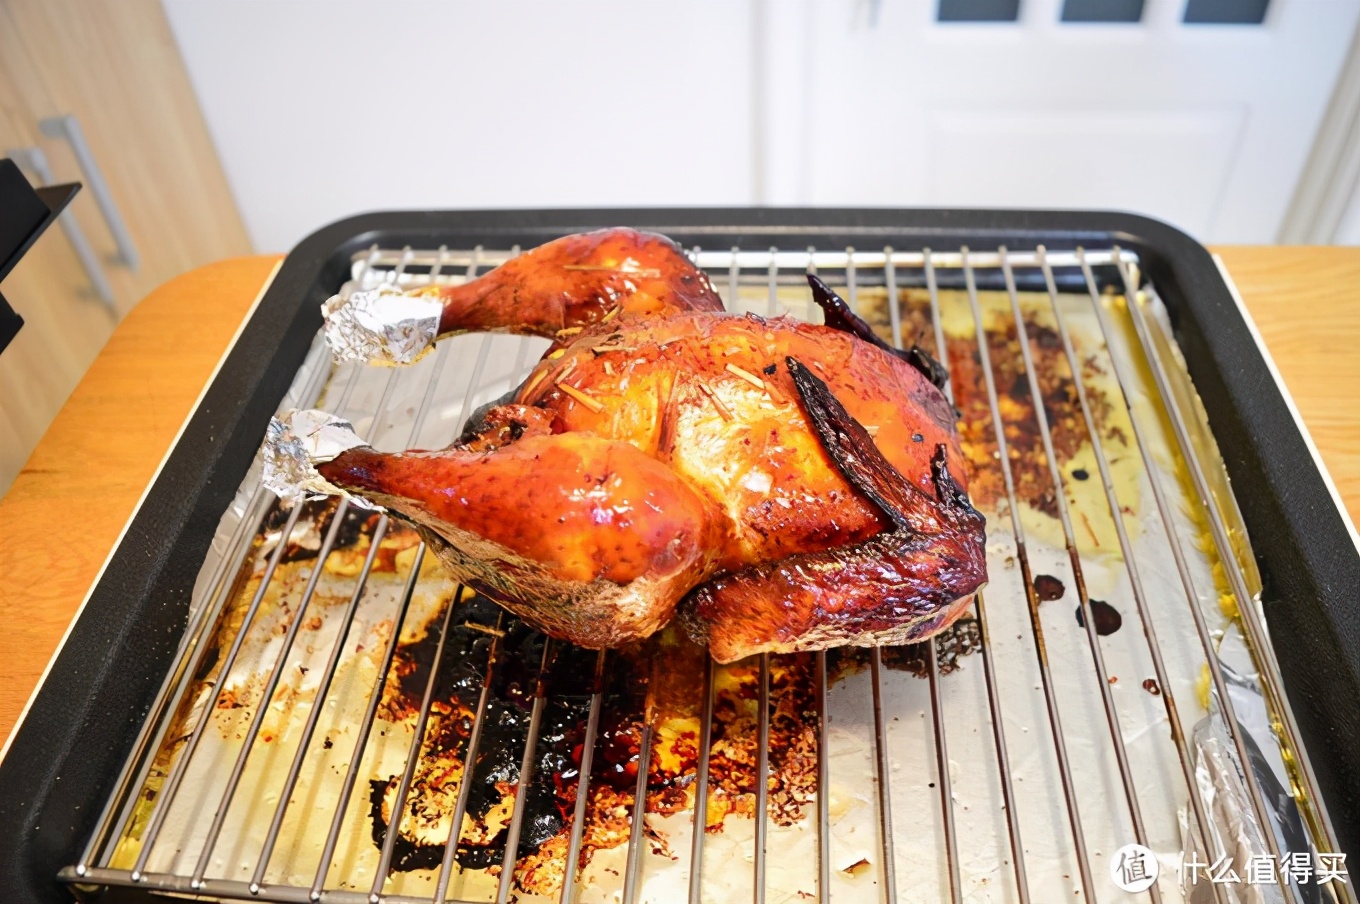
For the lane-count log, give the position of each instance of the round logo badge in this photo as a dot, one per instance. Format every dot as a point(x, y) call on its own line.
point(1134, 868)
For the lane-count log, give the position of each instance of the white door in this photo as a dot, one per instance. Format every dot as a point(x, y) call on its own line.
point(323, 109)
point(1207, 127)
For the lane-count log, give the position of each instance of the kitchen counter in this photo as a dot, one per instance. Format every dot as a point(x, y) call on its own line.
point(68, 506)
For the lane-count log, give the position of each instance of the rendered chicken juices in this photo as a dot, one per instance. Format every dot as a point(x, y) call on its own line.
point(798, 486)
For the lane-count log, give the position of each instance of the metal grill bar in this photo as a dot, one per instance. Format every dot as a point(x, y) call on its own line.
point(162, 806)
point(1245, 603)
point(398, 810)
point(366, 727)
point(633, 872)
point(733, 280)
point(851, 280)
point(696, 860)
point(267, 695)
point(361, 583)
point(1065, 518)
point(1182, 567)
point(449, 861)
point(932, 662)
point(1031, 597)
point(149, 741)
point(951, 843)
point(295, 768)
point(1168, 697)
point(526, 774)
point(375, 696)
point(762, 776)
point(1223, 543)
point(894, 301)
point(772, 303)
point(823, 789)
point(404, 267)
point(231, 889)
point(993, 700)
point(157, 721)
point(798, 260)
point(583, 784)
point(882, 771)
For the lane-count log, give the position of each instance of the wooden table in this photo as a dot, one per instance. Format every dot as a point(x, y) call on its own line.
point(68, 506)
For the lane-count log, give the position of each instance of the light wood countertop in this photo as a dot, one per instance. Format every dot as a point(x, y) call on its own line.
point(69, 504)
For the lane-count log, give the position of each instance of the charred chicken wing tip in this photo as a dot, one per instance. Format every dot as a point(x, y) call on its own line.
point(839, 316)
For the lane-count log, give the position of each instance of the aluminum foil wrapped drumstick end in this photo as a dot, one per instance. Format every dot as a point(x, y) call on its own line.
point(787, 486)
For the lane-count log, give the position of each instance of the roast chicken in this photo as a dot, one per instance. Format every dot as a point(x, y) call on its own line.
point(778, 485)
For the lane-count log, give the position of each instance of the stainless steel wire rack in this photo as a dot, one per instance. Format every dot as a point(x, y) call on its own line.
point(1014, 772)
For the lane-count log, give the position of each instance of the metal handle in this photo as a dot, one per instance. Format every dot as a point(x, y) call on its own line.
point(35, 161)
point(68, 128)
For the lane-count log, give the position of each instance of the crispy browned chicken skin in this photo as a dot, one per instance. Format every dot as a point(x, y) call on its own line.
point(788, 486)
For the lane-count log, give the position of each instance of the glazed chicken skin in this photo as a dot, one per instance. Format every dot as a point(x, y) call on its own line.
point(786, 486)
point(558, 289)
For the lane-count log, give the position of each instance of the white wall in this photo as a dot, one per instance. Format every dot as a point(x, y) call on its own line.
point(323, 109)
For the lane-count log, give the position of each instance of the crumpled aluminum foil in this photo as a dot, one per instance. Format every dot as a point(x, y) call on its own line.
point(1218, 772)
point(295, 444)
point(381, 326)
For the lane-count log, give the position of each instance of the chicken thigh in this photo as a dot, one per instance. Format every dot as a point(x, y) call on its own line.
point(784, 486)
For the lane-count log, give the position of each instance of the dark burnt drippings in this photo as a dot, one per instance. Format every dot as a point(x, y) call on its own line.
point(1033, 481)
point(305, 544)
point(658, 680)
point(453, 702)
point(1048, 588)
point(952, 644)
point(733, 772)
point(1105, 617)
point(549, 798)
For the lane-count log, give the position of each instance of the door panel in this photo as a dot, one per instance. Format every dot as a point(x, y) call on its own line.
point(1206, 126)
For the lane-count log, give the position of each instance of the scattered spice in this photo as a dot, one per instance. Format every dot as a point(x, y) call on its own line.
point(745, 375)
point(582, 396)
point(717, 402)
point(534, 380)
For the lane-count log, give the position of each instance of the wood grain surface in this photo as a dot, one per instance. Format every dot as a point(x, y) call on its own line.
point(117, 69)
point(71, 500)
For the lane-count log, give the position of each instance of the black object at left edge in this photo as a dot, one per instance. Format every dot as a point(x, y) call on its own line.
point(25, 213)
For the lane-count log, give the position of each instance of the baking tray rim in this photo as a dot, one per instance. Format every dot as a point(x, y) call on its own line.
point(1191, 281)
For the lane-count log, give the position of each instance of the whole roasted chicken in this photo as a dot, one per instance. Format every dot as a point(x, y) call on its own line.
point(784, 486)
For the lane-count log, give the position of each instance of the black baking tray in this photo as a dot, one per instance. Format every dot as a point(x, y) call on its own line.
point(68, 751)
